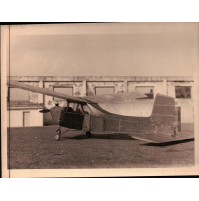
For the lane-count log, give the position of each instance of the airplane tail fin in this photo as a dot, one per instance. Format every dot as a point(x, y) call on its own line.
point(164, 121)
point(164, 115)
point(163, 112)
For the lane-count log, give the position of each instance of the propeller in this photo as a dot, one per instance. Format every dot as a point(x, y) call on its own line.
point(44, 110)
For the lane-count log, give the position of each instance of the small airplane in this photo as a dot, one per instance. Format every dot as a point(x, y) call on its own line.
point(86, 114)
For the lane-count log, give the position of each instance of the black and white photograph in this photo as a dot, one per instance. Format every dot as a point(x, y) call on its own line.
point(99, 97)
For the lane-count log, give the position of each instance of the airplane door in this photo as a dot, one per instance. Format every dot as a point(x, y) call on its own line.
point(72, 120)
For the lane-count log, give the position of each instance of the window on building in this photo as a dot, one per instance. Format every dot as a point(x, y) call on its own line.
point(147, 90)
point(18, 94)
point(104, 90)
point(64, 90)
point(183, 91)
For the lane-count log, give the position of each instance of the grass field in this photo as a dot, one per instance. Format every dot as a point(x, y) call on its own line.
point(36, 148)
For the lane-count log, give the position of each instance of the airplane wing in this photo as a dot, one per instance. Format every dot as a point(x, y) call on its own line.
point(123, 97)
point(13, 83)
point(120, 97)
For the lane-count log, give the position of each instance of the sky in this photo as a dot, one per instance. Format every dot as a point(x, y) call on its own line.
point(104, 49)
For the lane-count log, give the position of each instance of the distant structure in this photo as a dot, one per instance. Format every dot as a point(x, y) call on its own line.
point(181, 88)
point(24, 114)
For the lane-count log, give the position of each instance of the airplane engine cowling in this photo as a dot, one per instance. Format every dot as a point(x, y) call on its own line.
point(56, 113)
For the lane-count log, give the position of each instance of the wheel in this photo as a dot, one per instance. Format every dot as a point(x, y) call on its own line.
point(88, 134)
point(57, 137)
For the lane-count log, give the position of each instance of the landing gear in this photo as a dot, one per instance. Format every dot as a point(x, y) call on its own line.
point(57, 137)
point(88, 134)
point(59, 133)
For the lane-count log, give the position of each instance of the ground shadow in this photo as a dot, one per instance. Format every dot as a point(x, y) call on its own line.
point(100, 136)
point(170, 143)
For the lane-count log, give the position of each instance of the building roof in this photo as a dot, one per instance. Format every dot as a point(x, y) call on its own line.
point(100, 78)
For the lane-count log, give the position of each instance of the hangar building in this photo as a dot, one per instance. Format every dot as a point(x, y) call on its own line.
point(181, 88)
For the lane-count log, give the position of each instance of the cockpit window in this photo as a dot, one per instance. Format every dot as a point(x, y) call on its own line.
point(74, 108)
point(86, 109)
point(77, 108)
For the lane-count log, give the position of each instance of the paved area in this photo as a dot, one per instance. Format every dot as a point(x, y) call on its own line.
point(36, 148)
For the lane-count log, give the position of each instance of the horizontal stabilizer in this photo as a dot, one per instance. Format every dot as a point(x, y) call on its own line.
point(157, 138)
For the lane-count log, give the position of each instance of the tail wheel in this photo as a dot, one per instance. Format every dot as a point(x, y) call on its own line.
point(88, 134)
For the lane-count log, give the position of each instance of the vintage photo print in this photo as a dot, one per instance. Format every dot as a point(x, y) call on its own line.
point(99, 99)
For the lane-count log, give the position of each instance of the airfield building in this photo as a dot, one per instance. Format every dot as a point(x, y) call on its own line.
point(24, 114)
point(181, 88)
